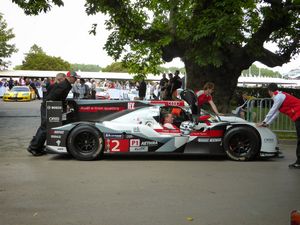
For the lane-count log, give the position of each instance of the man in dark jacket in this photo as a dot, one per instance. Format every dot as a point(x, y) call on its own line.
point(58, 93)
point(142, 89)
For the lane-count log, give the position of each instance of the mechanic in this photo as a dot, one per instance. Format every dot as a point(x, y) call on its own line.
point(58, 93)
point(289, 105)
point(204, 96)
point(168, 121)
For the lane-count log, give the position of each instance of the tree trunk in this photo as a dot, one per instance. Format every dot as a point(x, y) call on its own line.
point(225, 81)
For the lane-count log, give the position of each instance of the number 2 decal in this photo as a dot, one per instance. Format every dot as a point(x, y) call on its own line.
point(116, 147)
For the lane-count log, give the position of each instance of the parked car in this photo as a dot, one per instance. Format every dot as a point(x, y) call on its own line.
point(19, 93)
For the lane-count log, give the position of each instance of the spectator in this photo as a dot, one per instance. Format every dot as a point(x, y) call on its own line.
point(142, 89)
point(83, 89)
point(175, 85)
point(30, 83)
point(45, 87)
point(290, 106)
point(204, 96)
point(168, 91)
point(58, 93)
point(93, 89)
point(11, 83)
point(163, 85)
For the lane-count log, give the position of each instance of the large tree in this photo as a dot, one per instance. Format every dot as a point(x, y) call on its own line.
point(6, 48)
point(216, 39)
point(37, 59)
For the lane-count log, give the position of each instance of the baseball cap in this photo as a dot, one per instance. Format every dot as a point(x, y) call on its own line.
point(72, 74)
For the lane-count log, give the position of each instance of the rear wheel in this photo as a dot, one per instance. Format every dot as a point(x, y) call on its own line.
point(85, 143)
point(241, 144)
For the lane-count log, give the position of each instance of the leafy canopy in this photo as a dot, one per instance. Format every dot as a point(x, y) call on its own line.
point(37, 59)
point(206, 32)
point(6, 49)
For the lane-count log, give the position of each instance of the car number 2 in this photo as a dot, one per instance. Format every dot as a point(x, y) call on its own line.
point(118, 145)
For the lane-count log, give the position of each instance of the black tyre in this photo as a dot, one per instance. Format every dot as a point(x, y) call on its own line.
point(85, 143)
point(241, 143)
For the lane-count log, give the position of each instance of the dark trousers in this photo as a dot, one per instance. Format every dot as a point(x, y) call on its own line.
point(297, 124)
point(38, 141)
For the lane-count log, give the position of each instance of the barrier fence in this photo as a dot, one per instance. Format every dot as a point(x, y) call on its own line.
point(258, 108)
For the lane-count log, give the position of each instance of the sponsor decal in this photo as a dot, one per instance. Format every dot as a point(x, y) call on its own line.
point(114, 136)
point(135, 143)
point(100, 108)
point(203, 139)
point(58, 142)
point(149, 143)
point(208, 133)
point(139, 149)
point(54, 107)
point(269, 140)
point(168, 131)
point(58, 132)
point(131, 105)
point(215, 140)
point(55, 136)
point(168, 103)
point(53, 119)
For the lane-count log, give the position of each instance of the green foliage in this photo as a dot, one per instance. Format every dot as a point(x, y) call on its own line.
point(37, 59)
point(211, 34)
point(85, 67)
point(6, 49)
point(263, 72)
point(117, 67)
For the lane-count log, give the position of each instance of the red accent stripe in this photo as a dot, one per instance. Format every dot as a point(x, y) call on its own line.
point(208, 133)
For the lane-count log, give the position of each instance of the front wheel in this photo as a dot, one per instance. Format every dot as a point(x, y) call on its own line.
point(85, 143)
point(241, 144)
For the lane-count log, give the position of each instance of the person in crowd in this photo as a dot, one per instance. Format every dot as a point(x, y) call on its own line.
point(177, 83)
point(163, 85)
point(75, 90)
point(10, 83)
point(242, 103)
point(168, 121)
point(288, 105)
point(83, 89)
point(22, 81)
point(93, 89)
point(142, 89)
point(58, 93)
point(204, 96)
point(168, 91)
point(30, 83)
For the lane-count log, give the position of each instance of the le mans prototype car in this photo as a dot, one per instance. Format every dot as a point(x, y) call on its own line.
point(87, 129)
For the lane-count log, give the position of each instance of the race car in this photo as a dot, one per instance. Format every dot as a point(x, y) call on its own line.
point(92, 128)
point(19, 93)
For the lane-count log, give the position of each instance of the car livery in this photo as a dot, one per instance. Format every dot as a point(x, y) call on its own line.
point(19, 93)
point(87, 129)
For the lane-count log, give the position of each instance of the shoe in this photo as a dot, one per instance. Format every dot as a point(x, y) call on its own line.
point(36, 152)
point(294, 166)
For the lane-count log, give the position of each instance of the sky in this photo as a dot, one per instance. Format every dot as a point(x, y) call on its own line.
point(63, 32)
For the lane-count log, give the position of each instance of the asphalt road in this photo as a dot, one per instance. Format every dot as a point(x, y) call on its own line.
point(137, 190)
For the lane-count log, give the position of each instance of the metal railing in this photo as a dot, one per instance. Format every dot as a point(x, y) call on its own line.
point(258, 108)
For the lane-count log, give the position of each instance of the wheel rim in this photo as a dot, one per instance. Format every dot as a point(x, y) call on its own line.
point(240, 145)
point(86, 143)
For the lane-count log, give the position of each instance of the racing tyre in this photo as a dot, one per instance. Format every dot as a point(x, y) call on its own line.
point(241, 144)
point(85, 143)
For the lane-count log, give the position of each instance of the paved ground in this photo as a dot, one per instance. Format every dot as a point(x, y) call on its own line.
point(136, 190)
